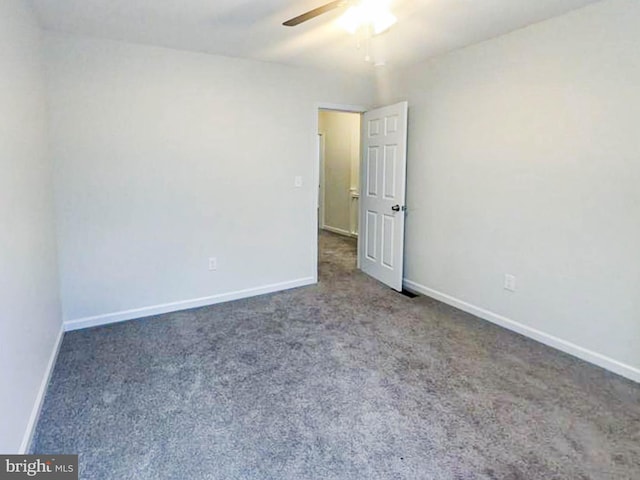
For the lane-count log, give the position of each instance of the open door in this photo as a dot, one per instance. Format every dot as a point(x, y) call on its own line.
point(383, 190)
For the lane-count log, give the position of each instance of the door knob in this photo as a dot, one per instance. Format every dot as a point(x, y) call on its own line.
point(396, 208)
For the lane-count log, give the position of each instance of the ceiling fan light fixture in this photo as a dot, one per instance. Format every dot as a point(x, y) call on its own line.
point(383, 22)
point(351, 20)
point(368, 13)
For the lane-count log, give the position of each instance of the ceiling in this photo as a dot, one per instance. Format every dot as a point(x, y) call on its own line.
point(253, 28)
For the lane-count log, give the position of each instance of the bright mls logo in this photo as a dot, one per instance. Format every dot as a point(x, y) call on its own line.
point(52, 467)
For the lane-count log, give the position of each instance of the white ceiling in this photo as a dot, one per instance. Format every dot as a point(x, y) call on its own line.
point(252, 28)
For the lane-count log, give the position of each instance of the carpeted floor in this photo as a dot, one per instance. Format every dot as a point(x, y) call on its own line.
point(343, 380)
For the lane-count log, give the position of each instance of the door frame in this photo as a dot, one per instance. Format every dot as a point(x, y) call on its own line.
point(338, 107)
point(321, 195)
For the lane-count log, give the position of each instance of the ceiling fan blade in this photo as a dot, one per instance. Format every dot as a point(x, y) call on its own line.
point(314, 13)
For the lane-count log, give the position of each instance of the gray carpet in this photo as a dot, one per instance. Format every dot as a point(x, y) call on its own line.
point(343, 380)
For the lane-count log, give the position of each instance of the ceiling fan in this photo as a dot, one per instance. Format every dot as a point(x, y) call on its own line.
point(374, 14)
point(316, 12)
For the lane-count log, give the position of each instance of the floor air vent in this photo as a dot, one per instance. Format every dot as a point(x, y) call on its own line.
point(409, 294)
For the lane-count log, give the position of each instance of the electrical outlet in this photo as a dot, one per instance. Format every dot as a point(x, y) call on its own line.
point(213, 263)
point(509, 282)
point(297, 182)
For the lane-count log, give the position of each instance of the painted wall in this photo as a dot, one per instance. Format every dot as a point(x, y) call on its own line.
point(165, 158)
point(341, 131)
point(30, 323)
point(524, 158)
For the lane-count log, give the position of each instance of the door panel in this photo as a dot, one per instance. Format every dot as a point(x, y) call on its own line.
point(389, 177)
point(382, 205)
point(372, 172)
point(370, 233)
point(388, 225)
point(374, 127)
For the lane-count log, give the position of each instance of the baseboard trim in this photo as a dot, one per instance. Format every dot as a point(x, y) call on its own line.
point(108, 318)
point(37, 406)
point(339, 231)
point(587, 355)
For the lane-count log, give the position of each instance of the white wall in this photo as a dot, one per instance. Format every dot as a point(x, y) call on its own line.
point(165, 158)
point(30, 324)
point(524, 157)
point(341, 131)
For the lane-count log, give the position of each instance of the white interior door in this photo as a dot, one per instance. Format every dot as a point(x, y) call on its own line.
point(382, 193)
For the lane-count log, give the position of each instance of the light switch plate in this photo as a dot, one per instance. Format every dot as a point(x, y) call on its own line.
point(509, 282)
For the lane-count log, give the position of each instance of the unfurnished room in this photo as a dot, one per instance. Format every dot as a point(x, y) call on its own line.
point(312, 239)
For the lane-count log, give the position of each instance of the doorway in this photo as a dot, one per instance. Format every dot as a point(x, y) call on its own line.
point(339, 156)
point(377, 218)
point(339, 144)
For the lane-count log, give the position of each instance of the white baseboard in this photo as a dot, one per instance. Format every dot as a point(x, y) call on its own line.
point(339, 231)
point(135, 313)
point(590, 356)
point(37, 406)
